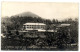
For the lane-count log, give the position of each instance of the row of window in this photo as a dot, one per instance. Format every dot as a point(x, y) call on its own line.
point(34, 27)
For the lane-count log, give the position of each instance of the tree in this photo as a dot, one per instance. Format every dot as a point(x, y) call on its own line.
point(63, 38)
point(53, 21)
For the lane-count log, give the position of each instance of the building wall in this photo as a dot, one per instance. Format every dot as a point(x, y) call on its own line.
point(33, 27)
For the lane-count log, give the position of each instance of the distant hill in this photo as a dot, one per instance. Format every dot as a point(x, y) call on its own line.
point(24, 14)
point(17, 21)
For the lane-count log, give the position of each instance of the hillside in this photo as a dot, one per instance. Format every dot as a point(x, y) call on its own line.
point(16, 22)
point(24, 14)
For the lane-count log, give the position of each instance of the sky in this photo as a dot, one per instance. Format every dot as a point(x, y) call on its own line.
point(47, 10)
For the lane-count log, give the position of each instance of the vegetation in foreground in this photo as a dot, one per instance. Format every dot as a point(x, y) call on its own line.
point(16, 23)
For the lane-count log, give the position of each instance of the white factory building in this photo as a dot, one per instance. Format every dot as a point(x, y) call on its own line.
point(41, 27)
point(34, 26)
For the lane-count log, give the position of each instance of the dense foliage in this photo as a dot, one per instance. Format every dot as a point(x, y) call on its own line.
point(16, 23)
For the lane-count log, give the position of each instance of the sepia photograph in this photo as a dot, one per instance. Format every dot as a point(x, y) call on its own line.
point(43, 26)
